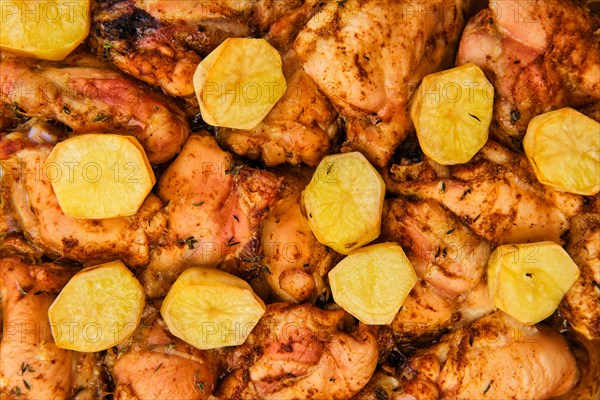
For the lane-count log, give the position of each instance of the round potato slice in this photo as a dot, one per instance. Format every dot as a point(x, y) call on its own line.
point(99, 175)
point(528, 281)
point(239, 82)
point(563, 146)
point(343, 202)
point(452, 111)
point(209, 308)
point(100, 307)
point(47, 29)
point(373, 282)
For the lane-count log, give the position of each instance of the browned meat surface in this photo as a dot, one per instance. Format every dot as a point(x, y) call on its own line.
point(296, 261)
point(213, 207)
point(301, 128)
point(300, 352)
point(581, 304)
point(154, 364)
point(33, 209)
point(539, 55)
point(497, 195)
point(450, 261)
point(496, 358)
point(368, 57)
point(94, 99)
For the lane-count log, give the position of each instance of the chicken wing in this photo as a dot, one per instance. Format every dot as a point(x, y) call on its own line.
point(369, 56)
point(450, 262)
point(496, 357)
point(94, 99)
point(301, 128)
point(581, 304)
point(496, 194)
point(213, 207)
point(30, 363)
point(539, 55)
point(300, 352)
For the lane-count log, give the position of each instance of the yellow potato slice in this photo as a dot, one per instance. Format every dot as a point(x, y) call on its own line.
point(99, 175)
point(343, 202)
point(528, 281)
point(209, 308)
point(100, 307)
point(239, 82)
point(373, 282)
point(563, 146)
point(452, 111)
point(47, 29)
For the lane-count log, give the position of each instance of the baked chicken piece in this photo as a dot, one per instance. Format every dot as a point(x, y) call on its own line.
point(580, 305)
point(301, 352)
point(214, 207)
point(450, 262)
point(295, 259)
point(496, 194)
point(31, 365)
point(161, 41)
point(153, 364)
point(369, 56)
point(31, 208)
point(301, 127)
point(89, 98)
point(539, 55)
point(496, 357)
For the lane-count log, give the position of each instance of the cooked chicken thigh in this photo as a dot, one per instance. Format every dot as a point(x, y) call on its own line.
point(300, 352)
point(213, 207)
point(154, 364)
point(299, 129)
point(497, 195)
point(369, 56)
point(30, 363)
point(581, 304)
point(35, 211)
point(296, 261)
point(539, 55)
point(496, 357)
point(94, 99)
point(162, 41)
point(450, 262)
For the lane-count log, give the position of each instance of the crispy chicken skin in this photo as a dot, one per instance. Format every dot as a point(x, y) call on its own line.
point(94, 99)
point(496, 194)
point(35, 212)
point(300, 352)
point(495, 357)
point(295, 258)
point(301, 128)
point(214, 208)
point(539, 55)
point(161, 42)
point(27, 350)
point(581, 304)
point(450, 261)
point(368, 57)
point(154, 364)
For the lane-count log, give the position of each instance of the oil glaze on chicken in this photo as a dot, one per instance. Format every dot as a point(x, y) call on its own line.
point(231, 199)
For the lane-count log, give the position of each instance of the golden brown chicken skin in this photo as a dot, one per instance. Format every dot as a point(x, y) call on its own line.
point(90, 98)
point(368, 57)
point(300, 352)
point(213, 207)
point(495, 357)
point(539, 55)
